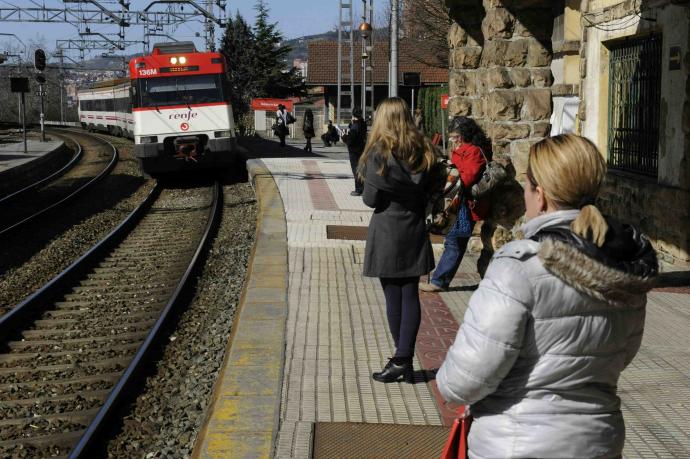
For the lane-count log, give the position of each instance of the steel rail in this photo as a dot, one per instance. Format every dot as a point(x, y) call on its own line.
point(89, 441)
point(75, 193)
point(72, 162)
point(10, 321)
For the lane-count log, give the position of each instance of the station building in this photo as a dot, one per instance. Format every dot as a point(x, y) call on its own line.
point(614, 71)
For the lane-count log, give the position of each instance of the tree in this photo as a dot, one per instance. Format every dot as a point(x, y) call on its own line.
point(256, 62)
point(427, 22)
point(273, 78)
point(238, 49)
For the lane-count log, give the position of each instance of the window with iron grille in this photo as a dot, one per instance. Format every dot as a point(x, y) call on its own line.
point(634, 104)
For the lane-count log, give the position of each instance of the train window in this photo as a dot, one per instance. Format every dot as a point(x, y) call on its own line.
point(133, 96)
point(179, 90)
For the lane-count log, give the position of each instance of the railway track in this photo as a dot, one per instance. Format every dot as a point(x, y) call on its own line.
point(95, 159)
point(72, 350)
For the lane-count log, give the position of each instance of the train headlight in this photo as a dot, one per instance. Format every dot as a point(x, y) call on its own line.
point(148, 139)
point(222, 134)
point(183, 60)
point(173, 60)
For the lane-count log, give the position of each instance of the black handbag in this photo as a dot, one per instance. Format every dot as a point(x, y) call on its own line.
point(494, 174)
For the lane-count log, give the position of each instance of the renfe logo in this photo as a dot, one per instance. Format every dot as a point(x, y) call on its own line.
point(183, 116)
point(148, 72)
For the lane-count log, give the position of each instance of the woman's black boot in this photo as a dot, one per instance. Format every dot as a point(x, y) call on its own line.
point(394, 369)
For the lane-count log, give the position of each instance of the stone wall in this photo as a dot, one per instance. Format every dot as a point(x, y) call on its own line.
point(662, 213)
point(500, 75)
point(500, 71)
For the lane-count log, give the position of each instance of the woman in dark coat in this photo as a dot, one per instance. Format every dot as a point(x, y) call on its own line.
point(308, 128)
point(396, 168)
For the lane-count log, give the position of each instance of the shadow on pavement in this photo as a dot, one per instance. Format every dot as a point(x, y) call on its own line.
point(674, 279)
point(424, 376)
point(256, 147)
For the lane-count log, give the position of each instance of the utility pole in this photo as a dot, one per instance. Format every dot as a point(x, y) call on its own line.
point(346, 66)
point(59, 54)
point(393, 78)
point(210, 29)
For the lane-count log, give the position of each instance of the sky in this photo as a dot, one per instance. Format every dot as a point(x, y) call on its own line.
point(295, 18)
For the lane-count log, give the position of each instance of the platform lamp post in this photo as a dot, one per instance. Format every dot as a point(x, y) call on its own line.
point(365, 30)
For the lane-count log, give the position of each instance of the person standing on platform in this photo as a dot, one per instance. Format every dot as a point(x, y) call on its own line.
point(356, 140)
point(419, 120)
point(395, 168)
point(282, 124)
point(558, 316)
point(308, 128)
point(470, 151)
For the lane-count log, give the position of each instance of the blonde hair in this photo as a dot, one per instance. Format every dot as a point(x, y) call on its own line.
point(571, 170)
point(395, 134)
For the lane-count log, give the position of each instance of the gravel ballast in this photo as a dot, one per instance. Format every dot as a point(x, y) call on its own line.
point(166, 417)
point(28, 261)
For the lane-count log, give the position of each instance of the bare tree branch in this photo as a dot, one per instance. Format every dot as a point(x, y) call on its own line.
point(426, 22)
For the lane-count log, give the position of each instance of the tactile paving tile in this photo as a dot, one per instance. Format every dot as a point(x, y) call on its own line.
point(359, 233)
point(354, 440)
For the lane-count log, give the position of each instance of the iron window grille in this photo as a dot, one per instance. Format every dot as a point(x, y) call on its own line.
point(634, 105)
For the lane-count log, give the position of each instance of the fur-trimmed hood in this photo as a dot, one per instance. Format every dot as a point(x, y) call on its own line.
point(623, 268)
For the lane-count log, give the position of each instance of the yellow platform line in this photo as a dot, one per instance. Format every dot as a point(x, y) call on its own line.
point(244, 415)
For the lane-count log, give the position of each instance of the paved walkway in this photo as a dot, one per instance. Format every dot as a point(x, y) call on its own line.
point(312, 329)
point(337, 332)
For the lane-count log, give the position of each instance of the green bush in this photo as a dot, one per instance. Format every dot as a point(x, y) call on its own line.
point(429, 100)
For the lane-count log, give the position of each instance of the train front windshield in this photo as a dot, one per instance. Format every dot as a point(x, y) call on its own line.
point(178, 90)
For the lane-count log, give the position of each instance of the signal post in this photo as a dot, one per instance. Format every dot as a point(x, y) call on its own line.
point(40, 65)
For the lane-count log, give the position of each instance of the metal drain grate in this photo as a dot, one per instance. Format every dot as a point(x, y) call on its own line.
point(339, 440)
point(359, 233)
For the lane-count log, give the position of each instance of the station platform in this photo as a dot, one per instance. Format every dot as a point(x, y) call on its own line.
point(296, 381)
point(17, 167)
point(12, 154)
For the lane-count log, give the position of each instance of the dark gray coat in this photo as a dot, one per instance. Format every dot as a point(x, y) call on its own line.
point(397, 242)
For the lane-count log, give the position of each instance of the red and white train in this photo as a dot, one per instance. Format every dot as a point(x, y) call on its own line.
point(175, 105)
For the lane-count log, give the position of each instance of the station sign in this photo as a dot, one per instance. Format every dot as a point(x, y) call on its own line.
point(444, 101)
point(412, 79)
point(272, 104)
point(19, 84)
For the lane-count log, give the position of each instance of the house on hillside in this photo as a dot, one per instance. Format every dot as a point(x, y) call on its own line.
point(417, 69)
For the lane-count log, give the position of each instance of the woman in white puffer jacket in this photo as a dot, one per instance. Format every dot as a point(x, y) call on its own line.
point(558, 316)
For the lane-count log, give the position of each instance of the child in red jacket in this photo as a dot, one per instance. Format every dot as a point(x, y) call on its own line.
point(470, 151)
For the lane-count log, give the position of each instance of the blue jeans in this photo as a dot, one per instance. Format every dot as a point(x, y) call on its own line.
point(454, 249)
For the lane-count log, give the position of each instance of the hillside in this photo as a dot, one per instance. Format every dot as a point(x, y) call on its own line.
point(300, 46)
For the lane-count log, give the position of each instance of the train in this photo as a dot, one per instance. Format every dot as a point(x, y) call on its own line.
point(175, 105)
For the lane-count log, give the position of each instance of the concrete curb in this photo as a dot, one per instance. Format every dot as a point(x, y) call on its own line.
point(244, 415)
